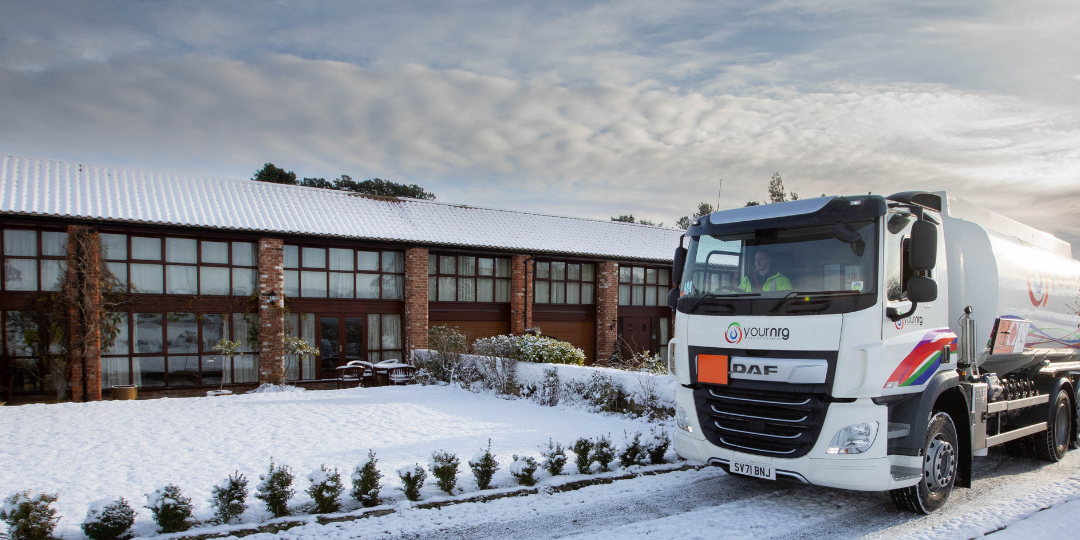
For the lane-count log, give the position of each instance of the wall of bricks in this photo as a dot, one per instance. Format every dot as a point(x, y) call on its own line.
point(607, 310)
point(86, 361)
point(271, 314)
point(521, 296)
point(415, 322)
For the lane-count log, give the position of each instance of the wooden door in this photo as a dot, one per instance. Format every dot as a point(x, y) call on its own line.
point(635, 335)
point(340, 340)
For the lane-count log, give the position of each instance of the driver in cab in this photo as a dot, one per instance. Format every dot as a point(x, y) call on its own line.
point(760, 280)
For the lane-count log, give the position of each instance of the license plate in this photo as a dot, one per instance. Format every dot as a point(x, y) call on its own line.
point(751, 469)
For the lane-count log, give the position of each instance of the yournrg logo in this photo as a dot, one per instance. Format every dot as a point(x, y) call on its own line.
point(1038, 289)
point(899, 324)
point(734, 333)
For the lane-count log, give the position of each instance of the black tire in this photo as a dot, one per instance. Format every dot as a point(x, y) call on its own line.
point(1024, 447)
point(939, 455)
point(1076, 419)
point(1052, 444)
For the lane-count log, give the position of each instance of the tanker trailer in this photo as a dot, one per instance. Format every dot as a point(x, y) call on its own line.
point(873, 343)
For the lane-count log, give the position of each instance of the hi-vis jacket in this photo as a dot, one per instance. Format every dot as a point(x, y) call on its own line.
point(775, 282)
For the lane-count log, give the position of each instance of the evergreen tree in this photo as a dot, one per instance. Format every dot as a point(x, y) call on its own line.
point(274, 175)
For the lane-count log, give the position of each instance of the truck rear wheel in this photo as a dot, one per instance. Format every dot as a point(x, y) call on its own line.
point(1052, 444)
point(939, 469)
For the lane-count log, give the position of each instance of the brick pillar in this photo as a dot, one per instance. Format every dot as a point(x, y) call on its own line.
point(521, 297)
point(85, 357)
point(415, 322)
point(271, 315)
point(607, 311)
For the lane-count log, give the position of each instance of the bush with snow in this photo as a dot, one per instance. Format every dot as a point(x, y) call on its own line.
point(275, 489)
point(550, 390)
point(632, 453)
point(483, 465)
point(582, 449)
point(325, 490)
point(443, 357)
point(523, 469)
point(274, 388)
point(171, 509)
point(444, 467)
point(656, 445)
point(29, 518)
point(554, 458)
point(545, 350)
point(229, 498)
point(412, 476)
point(603, 453)
point(365, 480)
point(107, 520)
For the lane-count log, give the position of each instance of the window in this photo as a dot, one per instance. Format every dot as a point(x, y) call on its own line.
point(468, 278)
point(34, 260)
point(313, 272)
point(558, 282)
point(188, 266)
point(642, 286)
point(23, 361)
point(175, 350)
point(300, 325)
point(897, 252)
point(384, 338)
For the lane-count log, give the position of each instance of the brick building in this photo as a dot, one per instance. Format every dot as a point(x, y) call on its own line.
point(358, 277)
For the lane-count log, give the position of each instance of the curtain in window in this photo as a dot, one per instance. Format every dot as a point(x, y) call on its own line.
point(246, 369)
point(391, 331)
point(307, 322)
point(20, 274)
point(54, 244)
point(243, 281)
point(147, 279)
point(20, 243)
point(181, 279)
point(115, 246)
point(113, 371)
point(241, 329)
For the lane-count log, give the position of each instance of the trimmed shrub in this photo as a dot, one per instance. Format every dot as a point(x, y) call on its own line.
point(554, 458)
point(550, 389)
point(656, 446)
point(229, 498)
point(523, 469)
point(171, 509)
point(582, 458)
point(29, 518)
point(483, 466)
point(108, 520)
point(603, 453)
point(545, 350)
point(632, 453)
point(325, 490)
point(413, 477)
point(365, 480)
point(275, 489)
point(445, 347)
point(444, 467)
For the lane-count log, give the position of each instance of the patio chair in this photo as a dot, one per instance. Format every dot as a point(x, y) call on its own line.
point(401, 374)
point(367, 372)
point(348, 376)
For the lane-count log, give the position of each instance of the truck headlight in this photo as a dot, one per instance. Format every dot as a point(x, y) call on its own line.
point(854, 439)
point(683, 420)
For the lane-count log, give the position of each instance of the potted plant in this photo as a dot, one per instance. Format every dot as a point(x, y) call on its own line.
point(227, 349)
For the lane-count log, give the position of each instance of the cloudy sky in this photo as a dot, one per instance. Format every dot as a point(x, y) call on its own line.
point(571, 108)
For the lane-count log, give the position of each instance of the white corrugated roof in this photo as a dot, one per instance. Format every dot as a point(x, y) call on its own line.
point(51, 188)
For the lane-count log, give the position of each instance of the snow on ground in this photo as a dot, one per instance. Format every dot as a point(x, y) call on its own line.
point(89, 451)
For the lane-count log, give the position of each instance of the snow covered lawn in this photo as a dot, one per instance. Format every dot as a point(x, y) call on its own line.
point(90, 451)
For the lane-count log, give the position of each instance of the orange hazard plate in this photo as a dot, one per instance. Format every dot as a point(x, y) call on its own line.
point(712, 368)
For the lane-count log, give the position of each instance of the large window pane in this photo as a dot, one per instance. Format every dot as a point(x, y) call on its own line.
point(573, 293)
point(181, 279)
point(341, 259)
point(639, 295)
point(367, 261)
point(181, 250)
point(292, 283)
point(573, 272)
point(243, 281)
point(246, 331)
point(588, 272)
point(147, 249)
point(20, 243)
point(120, 271)
point(558, 271)
point(447, 264)
point(54, 244)
point(52, 274)
point(639, 276)
point(558, 292)
point(393, 262)
point(243, 254)
point(587, 293)
point(121, 344)
point(147, 278)
point(314, 257)
point(650, 296)
point(391, 331)
point(543, 270)
point(431, 264)
point(485, 267)
point(148, 333)
point(341, 284)
point(650, 276)
point(624, 274)
point(245, 369)
point(392, 287)
point(149, 370)
point(183, 370)
point(15, 326)
point(313, 284)
point(183, 332)
point(663, 278)
point(115, 246)
point(432, 288)
point(624, 295)
point(213, 330)
point(215, 252)
point(213, 280)
point(502, 268)
point(485, 290)
point(466, 290)
point(212, 370)
point(367, 286)
point(543, 292)
point(502, 290)
point(291, 257)
point(373, 330)
point(466, 266)
point(447, 289)
point(114, 371)
point(20, 274)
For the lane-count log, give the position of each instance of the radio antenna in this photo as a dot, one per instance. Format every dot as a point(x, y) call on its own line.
point(718, 193)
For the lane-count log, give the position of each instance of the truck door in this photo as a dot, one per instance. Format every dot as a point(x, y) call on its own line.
point(918, 345)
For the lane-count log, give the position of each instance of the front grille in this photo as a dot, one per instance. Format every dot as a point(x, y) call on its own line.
point(762, 422)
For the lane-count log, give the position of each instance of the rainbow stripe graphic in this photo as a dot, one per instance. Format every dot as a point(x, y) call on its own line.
point(923, 361)
point(1038, 336)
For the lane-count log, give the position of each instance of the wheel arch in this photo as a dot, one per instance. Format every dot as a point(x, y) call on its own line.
point(954, 402)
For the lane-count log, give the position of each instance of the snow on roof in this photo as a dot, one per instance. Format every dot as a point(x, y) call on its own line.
point(50, 188)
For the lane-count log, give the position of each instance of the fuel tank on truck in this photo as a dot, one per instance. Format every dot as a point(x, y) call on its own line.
point(1002, 268)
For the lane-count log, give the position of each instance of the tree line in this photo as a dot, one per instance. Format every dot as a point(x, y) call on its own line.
point(376, 186)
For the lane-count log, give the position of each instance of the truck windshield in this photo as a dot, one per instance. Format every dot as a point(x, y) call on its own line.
point(820, 261)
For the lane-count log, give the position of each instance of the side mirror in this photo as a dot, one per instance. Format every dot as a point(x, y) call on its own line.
point(921, 289)
point(673, 298)
point(677, 266)
point(923, 247)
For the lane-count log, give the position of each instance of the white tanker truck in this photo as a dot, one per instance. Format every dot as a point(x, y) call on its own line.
point(873, 343)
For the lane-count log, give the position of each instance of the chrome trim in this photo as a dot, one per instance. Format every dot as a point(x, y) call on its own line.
point(757, 449)
point(756, 434)
point(717, 411)
point(782, 403)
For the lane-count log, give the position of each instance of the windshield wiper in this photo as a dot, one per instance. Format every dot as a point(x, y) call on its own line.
point(793, 294)
point(714, 296)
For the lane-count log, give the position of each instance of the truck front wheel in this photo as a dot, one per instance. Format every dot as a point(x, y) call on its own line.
point(1052, 444)
point(939, 468)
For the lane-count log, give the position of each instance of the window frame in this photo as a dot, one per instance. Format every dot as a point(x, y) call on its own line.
point(38, 257)
point(580, 282)
point(356, 272)
point(475, 277)
point(200, 264)
point(628, 274)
